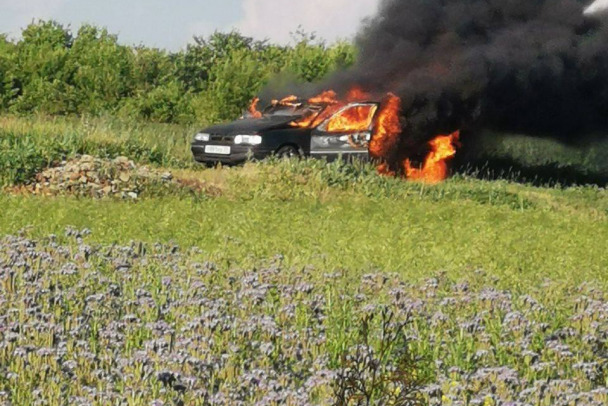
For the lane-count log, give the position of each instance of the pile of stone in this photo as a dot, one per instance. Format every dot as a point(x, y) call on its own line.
point(89, 176)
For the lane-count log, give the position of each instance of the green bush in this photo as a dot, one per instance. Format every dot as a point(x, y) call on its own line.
point(101, 70)
point(7, 57)
point(53, 72)
point(310, 60)
point(194, 66)
point(233, 83)
point(29, 145)
point(24, 156)
point(43, 77)
point(166, 103)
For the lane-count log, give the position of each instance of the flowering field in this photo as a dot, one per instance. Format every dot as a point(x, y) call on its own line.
point(141, 324)
point(288, 282)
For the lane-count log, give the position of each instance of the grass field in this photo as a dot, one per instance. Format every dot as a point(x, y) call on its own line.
point(303, 273)
point(518, 233)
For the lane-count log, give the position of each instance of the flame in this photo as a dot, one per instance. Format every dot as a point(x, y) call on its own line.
point(327, 97)
point(358, 118)
point(435, 168)
point(357, 94)
point(286, 101)
point(387, 129)
point(305, 122)
point(253, 108)
point(384, 169)
point(355, 121)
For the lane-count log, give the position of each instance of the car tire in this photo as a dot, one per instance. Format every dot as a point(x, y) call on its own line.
point(288, 151)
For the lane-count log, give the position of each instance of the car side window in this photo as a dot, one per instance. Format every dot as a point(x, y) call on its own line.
point(352, 118)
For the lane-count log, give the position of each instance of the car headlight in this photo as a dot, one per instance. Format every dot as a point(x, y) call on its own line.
point(204, 137)
point(248, 139)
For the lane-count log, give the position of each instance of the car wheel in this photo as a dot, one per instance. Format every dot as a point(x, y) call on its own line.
point(288, 151)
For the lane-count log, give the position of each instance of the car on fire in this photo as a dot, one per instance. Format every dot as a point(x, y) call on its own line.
point(292, 128)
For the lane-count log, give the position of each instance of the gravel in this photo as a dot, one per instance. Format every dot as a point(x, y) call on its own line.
point(89, 176)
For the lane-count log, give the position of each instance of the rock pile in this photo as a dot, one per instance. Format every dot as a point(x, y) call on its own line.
point(89, 176)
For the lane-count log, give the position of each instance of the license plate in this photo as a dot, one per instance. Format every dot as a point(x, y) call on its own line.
point(216, 149)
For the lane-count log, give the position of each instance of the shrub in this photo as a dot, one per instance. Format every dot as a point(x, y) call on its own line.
point(41, 71)
point(102, 70)
point(7, 56)
point(51, 71)
point(311, 60)
point(166, 103)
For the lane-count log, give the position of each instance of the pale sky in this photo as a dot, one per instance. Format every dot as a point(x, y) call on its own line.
point(172, 23)
point(597, 7)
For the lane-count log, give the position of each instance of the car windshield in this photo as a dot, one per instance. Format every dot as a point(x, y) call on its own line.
point(295, 110)
point(290, 110)
point(354, 117)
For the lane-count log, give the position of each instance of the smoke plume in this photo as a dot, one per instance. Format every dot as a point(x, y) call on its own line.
point(538, 67)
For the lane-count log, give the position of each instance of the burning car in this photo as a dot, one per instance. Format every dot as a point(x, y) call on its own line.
point(292, 127)
point(326, 126)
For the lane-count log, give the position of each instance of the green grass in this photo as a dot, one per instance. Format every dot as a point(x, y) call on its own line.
point(31, 143)
point(589, 155)
point(310, 215)
point(334, 216)
point(354, 236)
point(77, 322)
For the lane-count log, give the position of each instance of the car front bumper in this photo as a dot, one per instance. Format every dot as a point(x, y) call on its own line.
point(238, 154)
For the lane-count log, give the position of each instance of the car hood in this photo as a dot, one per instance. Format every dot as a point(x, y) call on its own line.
point(251, 125)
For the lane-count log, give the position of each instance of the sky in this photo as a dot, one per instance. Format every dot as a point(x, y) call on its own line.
point(597, 7)
point(171, 24)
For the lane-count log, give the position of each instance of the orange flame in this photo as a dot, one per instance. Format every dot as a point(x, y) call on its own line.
point(327, 97)
point(435, 168)
point(387, 129)
point(357, 94)
point(353, 121)
point(386, 126)
point(286, 101)
point(253, 108)
point(357, 118)
point(305, 122)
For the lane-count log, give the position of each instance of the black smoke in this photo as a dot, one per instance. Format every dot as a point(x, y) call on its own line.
point(537, 67)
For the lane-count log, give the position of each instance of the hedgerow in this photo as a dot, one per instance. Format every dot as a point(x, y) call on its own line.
point(54, 71)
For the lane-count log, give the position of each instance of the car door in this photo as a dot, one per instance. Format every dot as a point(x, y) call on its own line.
point(346, 133)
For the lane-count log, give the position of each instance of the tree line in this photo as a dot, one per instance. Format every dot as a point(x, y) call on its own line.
point(51, 70)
